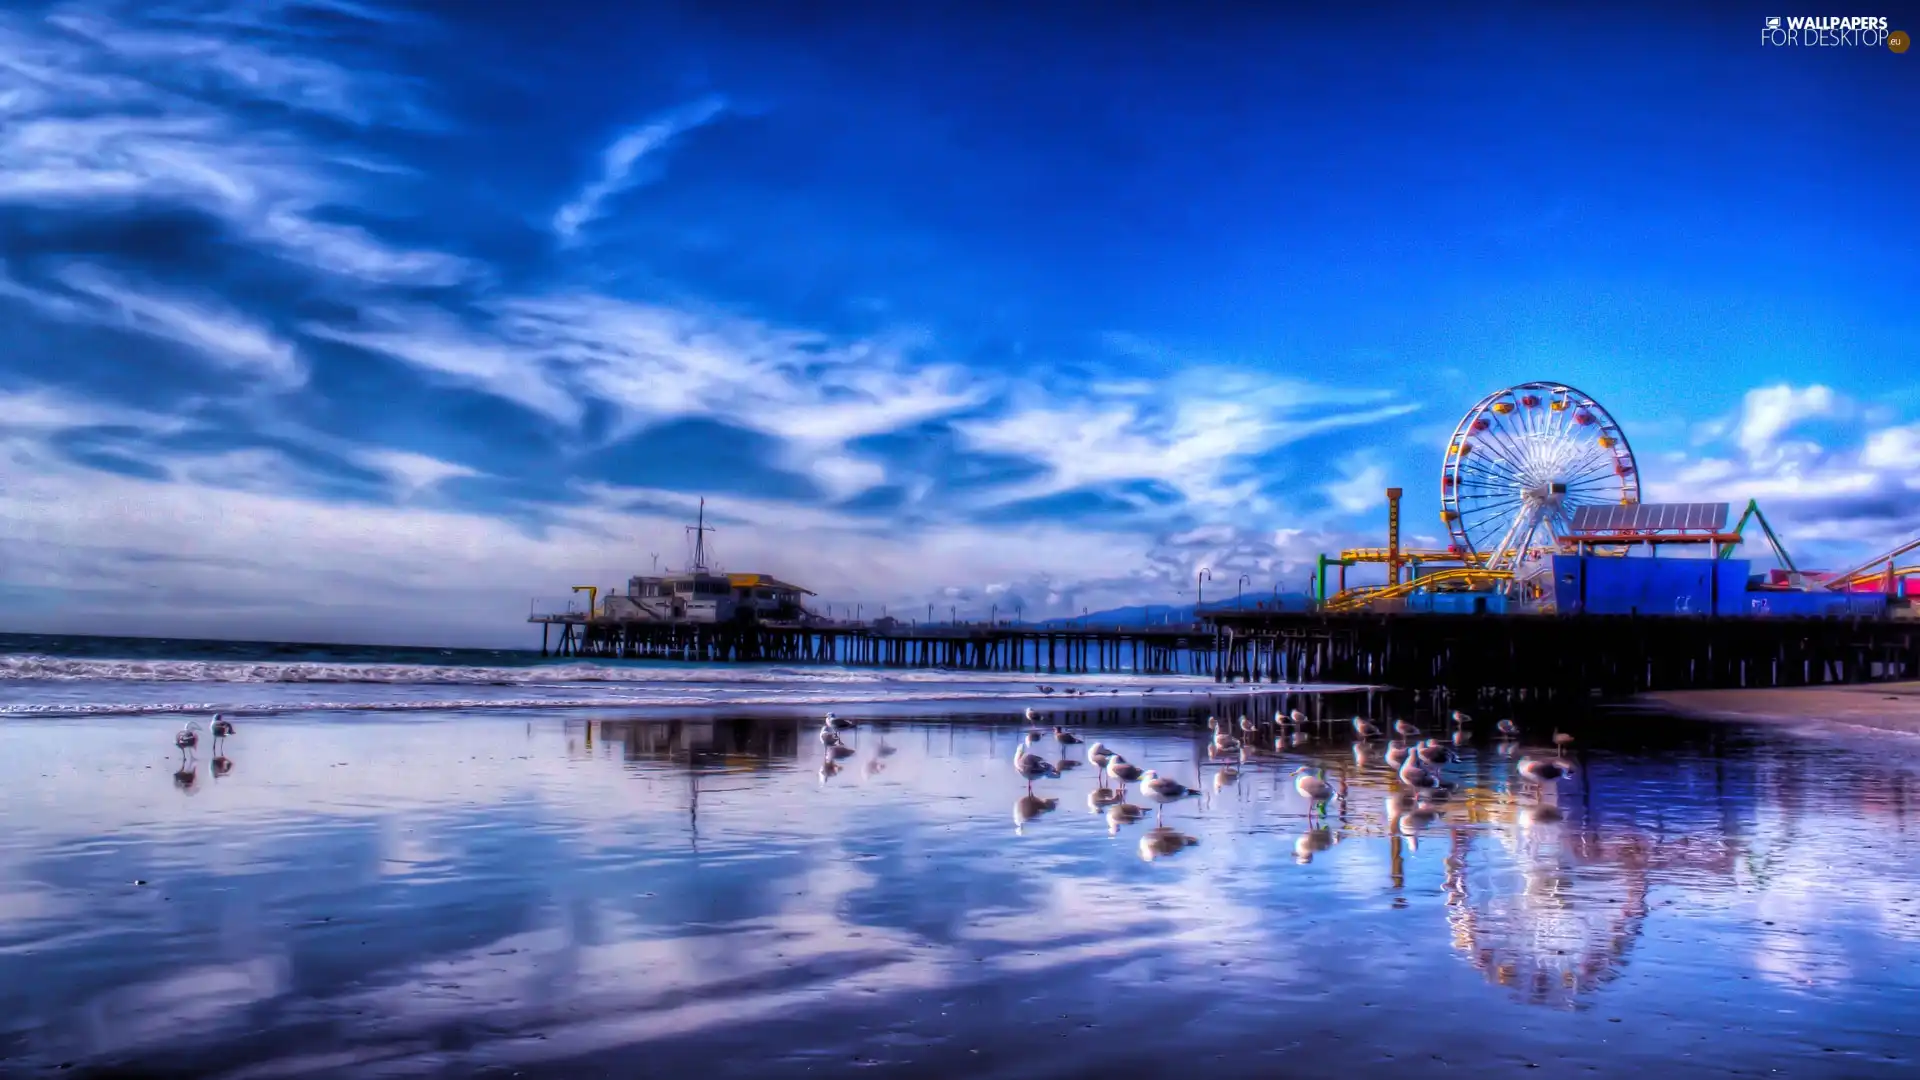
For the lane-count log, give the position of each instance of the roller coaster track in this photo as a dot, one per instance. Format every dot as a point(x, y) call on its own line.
point(1463, 578)
point(1875, 566)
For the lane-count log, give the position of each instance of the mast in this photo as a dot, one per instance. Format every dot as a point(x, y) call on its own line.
point(700, 530)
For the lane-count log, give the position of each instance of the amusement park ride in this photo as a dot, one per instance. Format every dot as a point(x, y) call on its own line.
point(1542, 469)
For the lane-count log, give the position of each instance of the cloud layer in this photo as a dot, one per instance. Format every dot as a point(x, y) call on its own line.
point(308, 336)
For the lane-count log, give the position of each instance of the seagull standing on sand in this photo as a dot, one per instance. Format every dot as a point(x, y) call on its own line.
point(222, 727)
point(834, 723)
point(1415, 775)
point(1299, 718)
point(1313, 787)
point(1461, 719)
point(1507, 727)
point(187, 737)
point(1064, 737)
point(1365, 728)
point(1406, 727)
point(1123, 770)
point(1163, 790)
point(1562, 740)
point(1032, 766)
point(1097, 756)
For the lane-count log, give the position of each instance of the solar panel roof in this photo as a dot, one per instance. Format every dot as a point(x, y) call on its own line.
point(1650, 517)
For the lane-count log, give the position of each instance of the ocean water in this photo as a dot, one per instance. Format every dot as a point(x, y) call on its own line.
point(64, 676)
point(567, 892)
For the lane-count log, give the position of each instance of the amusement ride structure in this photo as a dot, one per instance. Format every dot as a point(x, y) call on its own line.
point(1542, 469)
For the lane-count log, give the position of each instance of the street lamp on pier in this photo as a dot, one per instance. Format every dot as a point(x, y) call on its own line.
point(1239, 590)
point(993, 614)
point(1200, 589)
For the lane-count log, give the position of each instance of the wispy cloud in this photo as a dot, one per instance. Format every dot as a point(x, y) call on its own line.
point(203, 325)
point(620, 162)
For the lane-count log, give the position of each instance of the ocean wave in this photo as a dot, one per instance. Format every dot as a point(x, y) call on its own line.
point(68, 669)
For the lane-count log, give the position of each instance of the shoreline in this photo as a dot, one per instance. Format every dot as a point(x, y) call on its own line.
point(1883, 707)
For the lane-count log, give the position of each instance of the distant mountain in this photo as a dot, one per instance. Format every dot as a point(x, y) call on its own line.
point(1165, 614)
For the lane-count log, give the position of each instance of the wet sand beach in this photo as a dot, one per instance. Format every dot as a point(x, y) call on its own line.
point(1886, 707)
point(587, 894)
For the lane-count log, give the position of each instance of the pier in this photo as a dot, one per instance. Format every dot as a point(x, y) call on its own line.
point(1189, 649)
point(1541, 655)
point(1552, 656)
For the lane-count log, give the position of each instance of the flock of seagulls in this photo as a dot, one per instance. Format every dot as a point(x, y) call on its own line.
point(1417, 759)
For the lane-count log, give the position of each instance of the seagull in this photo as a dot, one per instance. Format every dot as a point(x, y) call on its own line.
point(1299, 718)
point(188, 736)
point(1249, 726)
point(1544, 770)
point(1163, 790)
point(1123, 770)
point(1312, 786)
point(1413, 774)
point(838, 724)
point(1406, 727)
point(1224, 743)
point(1432, 753)
point(1065, 738)
point(1562, 740)
point(827, 736)
point(1044, 689)
point(1098, 755)
point(1461, 719)
point(1364, 728)
point(1031, 766)
point(1507, 727)
point(1032, 717)
point(222, 727)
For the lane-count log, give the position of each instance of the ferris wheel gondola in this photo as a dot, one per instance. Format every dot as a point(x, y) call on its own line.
point(1520, 462)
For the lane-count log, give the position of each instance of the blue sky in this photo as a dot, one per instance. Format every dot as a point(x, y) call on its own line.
point(345, 320)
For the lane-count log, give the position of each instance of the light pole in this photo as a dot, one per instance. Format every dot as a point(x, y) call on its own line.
point(857, 609)
point(993, 614)
point(1276, 596)
point(953, 614)
point(1239, 590)
point(1200, 589)
point(1083, 618)
point(1018, 608)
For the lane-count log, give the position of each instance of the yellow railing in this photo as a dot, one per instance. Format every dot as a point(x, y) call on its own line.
point(1373, 555)
point(1464, 578)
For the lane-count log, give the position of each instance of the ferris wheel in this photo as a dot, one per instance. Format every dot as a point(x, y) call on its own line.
point(1520, 463)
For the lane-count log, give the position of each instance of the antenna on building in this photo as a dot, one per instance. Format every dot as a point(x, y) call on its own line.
point(656, 561)
point(700, 531)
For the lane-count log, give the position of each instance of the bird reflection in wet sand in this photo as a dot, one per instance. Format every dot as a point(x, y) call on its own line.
point(222, 766)
point(1123, 813)
point(828, 770)
point(1311, 843)
point(1102, 797)
point(1030, 806)
point(1162, 841)
point(187, 778)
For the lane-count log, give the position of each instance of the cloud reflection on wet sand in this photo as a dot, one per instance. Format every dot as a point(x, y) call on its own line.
point(486, 892)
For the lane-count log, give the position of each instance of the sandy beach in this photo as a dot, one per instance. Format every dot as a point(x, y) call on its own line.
point(1880, 706)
